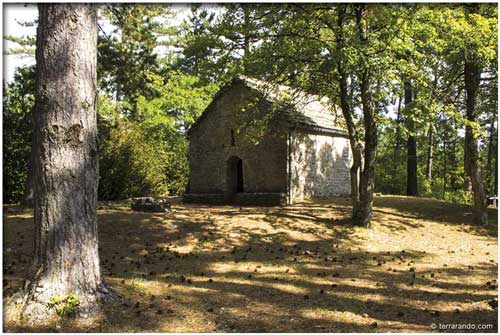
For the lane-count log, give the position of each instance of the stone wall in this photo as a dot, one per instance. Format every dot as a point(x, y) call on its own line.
point(211, 146)
point(320, 165)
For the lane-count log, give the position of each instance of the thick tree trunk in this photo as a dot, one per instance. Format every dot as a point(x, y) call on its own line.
point(472, 73)
point(430, 152)
point(411, 147)
point(356, 147)
point(412, 179)
point(66, 256)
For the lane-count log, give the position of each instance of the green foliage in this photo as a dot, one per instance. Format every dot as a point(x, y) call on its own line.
point(131, 164)
point(65, 305)
point(131, 50)
point(149, 157)
point(144, 108)
point(18, 103)
point(156, 76)
point(25, 45)
point(178, 100)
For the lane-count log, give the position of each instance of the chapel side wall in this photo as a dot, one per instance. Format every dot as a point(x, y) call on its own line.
point(264, 164)
point(320, 165)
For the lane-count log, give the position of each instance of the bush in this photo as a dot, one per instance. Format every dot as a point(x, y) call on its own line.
point(137, 159)
point(134, 164)
point(18, 102)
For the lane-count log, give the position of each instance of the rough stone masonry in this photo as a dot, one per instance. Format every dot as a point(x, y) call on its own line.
point(263, 145)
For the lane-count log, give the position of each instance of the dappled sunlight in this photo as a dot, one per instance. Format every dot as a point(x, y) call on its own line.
point(276, 287)
point(250, 267)
point(295, 268)
point(323, 314)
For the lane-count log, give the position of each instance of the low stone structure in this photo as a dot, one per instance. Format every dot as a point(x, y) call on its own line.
point(256, 144)
point(150, 204)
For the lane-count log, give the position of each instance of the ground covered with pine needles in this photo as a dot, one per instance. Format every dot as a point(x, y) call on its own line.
point(300, 268)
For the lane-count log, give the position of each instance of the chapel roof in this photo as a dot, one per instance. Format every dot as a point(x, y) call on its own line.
point(300, 110)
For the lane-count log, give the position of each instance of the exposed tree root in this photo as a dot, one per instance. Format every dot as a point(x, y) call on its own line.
point(32, 306)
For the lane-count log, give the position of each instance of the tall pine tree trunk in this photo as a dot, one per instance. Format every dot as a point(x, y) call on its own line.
point(66, 166)
point(472, 73)
point(411, 147)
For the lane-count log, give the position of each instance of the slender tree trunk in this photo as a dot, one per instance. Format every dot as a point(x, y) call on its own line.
point(367, 180)
point(356, 147)
point(445, 168)
point(246, 39)
point(489, 161)
point(411, 147)
point(29, 191)
point(495, 185)
point(472, 73)
point(367, 177)
point(453, 164)
point(430, 152)
point(29, 187)
point(66, 256)
point(397, 146)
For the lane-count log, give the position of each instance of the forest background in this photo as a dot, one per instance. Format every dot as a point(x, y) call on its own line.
point(159, 66)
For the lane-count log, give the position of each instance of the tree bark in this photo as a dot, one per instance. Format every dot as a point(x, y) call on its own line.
point(397, 146)
point(495, 185)
point(367, 178)
point(491, 152)
point(356, 147)
point(472, 73)
point(453, 167)
point(411, 147)
point(445, 168)
point(430, 152)
point(65, 256)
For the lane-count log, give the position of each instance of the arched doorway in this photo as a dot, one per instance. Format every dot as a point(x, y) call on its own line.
point(234, 182)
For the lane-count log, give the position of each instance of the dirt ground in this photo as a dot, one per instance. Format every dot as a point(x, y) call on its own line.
point(300, 268)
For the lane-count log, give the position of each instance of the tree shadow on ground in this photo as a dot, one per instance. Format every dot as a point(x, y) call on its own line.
point(413, 209)
point(280, 269)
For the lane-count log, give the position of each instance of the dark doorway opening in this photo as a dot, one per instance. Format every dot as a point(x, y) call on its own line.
point(239, 176)
point(235, 183)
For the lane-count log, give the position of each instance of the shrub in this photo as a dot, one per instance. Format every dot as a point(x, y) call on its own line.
point(66, 305)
